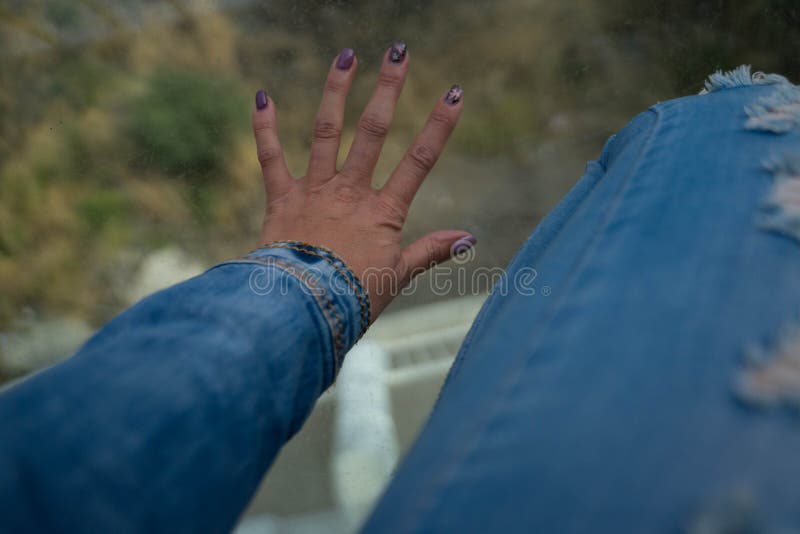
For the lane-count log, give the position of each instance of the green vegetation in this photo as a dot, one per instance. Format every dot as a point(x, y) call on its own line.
point(185, 123)
point(115, 141)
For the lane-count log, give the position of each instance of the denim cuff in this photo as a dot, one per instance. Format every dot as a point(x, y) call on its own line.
point(341, 299)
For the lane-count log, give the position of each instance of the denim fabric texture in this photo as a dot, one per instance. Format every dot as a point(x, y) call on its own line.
point(628, 400)
point(613, 405)
point(166, 420)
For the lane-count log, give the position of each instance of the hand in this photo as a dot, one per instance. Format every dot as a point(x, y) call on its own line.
point(340, 209)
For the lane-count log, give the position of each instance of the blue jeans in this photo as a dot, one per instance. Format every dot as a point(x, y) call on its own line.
point(657, 389)
point(654, 390)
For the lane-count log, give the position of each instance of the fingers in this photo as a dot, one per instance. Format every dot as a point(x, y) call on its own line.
point(425, 150)
point(373, 126)
point(327, 132)
point(270, 155)
point(434, 248)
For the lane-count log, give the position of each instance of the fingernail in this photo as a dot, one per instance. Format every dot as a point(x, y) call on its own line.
point(346, 57)
point(463, 244)
point(398, 52)
point(453, 96)
point(261, 99)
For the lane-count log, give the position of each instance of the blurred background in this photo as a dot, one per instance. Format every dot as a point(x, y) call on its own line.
point(126, 161)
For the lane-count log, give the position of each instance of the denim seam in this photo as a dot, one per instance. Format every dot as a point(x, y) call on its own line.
point(335, 332)
point(491, 302)
point(334, 318)
point(512, 376)
point(346, 273)
point(340, 266)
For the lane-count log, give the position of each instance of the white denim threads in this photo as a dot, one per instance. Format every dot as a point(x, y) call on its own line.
point(738, 77)
point(771, 377)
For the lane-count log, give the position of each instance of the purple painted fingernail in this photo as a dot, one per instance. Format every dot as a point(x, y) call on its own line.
point(398, 52)
point(261, 99)
point(463, 244)
point(453, 96)
point(346, 57)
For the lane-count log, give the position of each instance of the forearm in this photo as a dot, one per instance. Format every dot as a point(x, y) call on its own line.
point(168, 417)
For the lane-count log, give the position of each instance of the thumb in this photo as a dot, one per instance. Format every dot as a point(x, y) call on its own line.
point(436, 247)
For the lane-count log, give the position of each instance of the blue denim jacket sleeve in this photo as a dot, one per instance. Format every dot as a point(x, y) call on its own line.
point(168, 417)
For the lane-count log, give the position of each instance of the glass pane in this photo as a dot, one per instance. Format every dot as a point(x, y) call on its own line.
point(126, 161)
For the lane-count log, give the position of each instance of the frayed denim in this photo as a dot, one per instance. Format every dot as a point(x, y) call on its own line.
point(657, 389)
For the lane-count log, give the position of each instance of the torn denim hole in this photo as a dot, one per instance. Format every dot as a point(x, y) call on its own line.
point(778, 113)
point(780, 211)
point(771, 378)
point(738, 77)
point(732, 513)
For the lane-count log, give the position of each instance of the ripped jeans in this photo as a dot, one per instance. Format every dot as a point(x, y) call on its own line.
point(657, 389)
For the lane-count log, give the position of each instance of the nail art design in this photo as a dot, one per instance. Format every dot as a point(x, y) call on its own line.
point(453, 96)
point(398, 52)
point(261, 99)
point(346, 57)
point(463, 245)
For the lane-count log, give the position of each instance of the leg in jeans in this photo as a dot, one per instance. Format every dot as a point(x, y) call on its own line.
point(657, 387)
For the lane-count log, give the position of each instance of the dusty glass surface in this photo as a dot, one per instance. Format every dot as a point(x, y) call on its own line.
point(126, 161)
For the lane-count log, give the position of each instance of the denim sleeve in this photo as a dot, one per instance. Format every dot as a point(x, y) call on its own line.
point(168, 417)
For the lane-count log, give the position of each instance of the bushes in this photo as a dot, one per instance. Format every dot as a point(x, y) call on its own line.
point(73, 201)
point(183, 125)
point(110, 148)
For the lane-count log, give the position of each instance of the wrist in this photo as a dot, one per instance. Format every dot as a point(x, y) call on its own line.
point(324, 267)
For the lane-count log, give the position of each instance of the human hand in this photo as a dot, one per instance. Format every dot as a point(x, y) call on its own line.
point(339, 208)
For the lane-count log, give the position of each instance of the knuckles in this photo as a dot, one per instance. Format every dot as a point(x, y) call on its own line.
point(333, 86)
point(391, 210)
point(268, 155)
point(390, 81)
point(423, 157)
point(432, 253)
point(346, 193)
point(373, 126)
point(326, 130)
point(261, 125)
point(443, 119)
